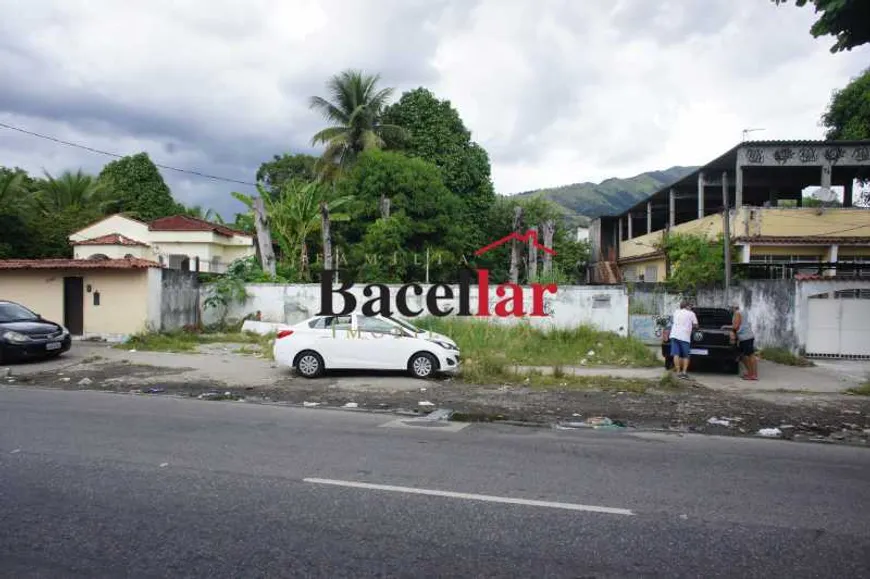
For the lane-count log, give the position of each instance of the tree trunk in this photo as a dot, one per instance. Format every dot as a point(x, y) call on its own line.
point(549, 230)
point(532, 270)
point(515, 245)
point(264, 237)
point(385, 206)
point(327, 239)
point(303, 259)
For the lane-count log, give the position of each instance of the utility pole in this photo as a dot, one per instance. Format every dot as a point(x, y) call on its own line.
point(726, 230)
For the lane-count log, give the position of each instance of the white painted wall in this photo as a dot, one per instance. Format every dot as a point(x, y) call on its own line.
point(605, 307)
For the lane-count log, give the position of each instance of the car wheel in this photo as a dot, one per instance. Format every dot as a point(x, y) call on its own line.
point(309, 364)
point(423, 365)
point(734, 368)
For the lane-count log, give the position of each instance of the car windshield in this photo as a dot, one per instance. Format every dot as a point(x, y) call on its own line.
point(408, 326)
point(10, 312)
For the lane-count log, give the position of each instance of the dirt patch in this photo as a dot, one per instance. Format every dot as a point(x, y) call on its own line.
point(681, 407)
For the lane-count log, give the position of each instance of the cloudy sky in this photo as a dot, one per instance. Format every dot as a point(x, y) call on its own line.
point(558, 91)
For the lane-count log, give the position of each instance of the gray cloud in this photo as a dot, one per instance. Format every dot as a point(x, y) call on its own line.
point(557, 91)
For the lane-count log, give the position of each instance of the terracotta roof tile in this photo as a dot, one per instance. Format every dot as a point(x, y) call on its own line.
point(129, 263)
point(110, 239)
point(188, 223)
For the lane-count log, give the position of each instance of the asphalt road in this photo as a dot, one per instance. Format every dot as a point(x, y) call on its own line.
point(106, 485)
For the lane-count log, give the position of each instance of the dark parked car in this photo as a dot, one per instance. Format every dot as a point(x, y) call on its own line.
point(711, 345)
point(25, 335)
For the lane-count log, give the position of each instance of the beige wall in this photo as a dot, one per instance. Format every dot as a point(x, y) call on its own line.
point(124, 297)
point(835, 222)
point(113, 251)
point(818, 250)
point(114, 224)
point(853, 251)
point(640, 267)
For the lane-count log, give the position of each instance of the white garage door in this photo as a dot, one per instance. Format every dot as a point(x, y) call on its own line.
point(840, 326)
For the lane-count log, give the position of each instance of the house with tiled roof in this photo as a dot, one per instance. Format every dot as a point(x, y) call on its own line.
point(175, 242)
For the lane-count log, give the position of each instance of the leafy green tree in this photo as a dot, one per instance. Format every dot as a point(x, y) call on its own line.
point(848, 114)
point(72, 191)
point(695, 261)
point(273, 174)
point(141, 191)
point(354, 114)
point(416, 195)
point(847, 20)
point(438, 135)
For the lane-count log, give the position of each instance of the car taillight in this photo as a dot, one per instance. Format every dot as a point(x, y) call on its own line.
point(284, 333)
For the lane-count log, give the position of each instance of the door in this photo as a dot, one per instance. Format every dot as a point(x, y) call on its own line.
point(74, 305)
point(378, 345)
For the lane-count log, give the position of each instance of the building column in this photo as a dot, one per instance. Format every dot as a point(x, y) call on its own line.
point(630, 233)
point(826, 177)
point(833, 257)
point(745, 253)
point(738, 188)
point(847, 194)
point(672, 200)
point(649, 218)
point(619, 220)
point(701, 195)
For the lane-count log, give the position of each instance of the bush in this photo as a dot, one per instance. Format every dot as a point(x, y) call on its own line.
point(783, 356)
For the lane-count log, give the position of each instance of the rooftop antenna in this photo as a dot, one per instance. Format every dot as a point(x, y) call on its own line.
point(747, 131)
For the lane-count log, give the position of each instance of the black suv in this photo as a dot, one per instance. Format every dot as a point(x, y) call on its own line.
point(711, 345)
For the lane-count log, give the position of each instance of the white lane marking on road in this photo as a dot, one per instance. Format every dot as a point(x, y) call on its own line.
point(16, 451)
point(164, 464)
point(472, 497)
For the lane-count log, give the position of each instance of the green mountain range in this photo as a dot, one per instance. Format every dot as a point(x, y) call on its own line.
point(611, 196)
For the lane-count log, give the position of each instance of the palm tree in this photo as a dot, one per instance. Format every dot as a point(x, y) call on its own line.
point(207, 214)
point(11, 184)
point(72, 191)
point(355, 118)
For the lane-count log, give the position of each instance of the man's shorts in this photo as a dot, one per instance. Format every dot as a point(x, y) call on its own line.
point(679, 348)
point(747, 347)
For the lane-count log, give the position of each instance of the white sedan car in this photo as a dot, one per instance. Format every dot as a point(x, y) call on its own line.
point(359, 342)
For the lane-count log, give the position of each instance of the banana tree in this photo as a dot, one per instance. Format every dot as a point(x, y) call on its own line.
point(300, 210)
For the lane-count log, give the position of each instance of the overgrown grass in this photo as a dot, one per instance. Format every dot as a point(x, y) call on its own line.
point(487, 371)
point(488, 343)
point(862, 390)
point(187, 341)
point(783, 356)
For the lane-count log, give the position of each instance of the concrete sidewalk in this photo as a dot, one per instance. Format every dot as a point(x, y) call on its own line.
point(220, 363)
point(827, 377)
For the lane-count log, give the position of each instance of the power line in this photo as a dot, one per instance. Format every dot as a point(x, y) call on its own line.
point(117, 156)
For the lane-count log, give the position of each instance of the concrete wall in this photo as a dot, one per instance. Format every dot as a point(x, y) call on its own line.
point(605, 307)
point(178, 300)
point(768, 305)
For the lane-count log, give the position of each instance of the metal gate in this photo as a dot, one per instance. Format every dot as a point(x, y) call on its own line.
point(839, 327)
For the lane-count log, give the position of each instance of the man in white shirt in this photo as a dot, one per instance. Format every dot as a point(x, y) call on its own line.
point(684, 323)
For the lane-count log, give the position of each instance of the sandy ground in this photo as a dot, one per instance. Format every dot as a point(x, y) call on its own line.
point(803, 403)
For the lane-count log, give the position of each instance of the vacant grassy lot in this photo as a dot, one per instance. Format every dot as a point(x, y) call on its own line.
point(492, 345)
point(182, 341)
